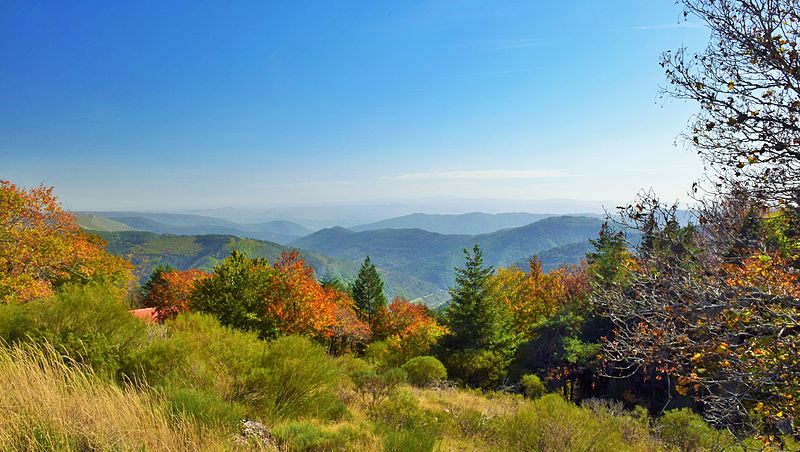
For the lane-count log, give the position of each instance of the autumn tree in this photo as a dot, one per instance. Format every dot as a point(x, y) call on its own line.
point(168, 291)
point(747, 85)
point(283, 298)
point(368, 290)
point(409, 330)
point(42, 247)
point(532, 297)
point(482, 339)
point(721, 330)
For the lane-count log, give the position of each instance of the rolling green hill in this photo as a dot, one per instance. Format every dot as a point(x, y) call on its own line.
point(98, 223)
point(181, 224)
point(467, 223)
point(431, 257)
point(147, 250)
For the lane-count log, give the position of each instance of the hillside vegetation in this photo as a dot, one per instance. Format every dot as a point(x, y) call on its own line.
point(147, 251)
point(431, 257)
point(466, 223)
point(184, 224)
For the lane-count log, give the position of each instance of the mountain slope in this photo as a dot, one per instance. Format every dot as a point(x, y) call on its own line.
point(182, 224)
point(98, 223)
point(431, 257)
point(468, 223)
point(147, 250)
point(385, 245)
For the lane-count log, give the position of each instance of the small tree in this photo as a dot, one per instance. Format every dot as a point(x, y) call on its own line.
point(234, 294)
point(482, 339)
point(368, 290)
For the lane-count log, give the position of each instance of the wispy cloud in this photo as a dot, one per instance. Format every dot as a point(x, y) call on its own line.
point(690, 25)
point(483, 174)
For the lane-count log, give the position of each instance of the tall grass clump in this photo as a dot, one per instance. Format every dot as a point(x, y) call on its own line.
point(90, 324)
point(49, 404)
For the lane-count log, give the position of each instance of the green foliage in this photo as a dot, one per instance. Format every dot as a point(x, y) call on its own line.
point(532, 386)
point(425, 371)
point(477, 368)
point(408, 440)
point(405, 425)
point(204, 407)
point(687, 431)
point(309, 436)
point(482, 339)
point(88, 324)
point(368, 290)
point(374, 387)
point(289, 377)
point(377, 353)
point(294, 378)
point(551, 423)
point(234, 294)
point(607, 261)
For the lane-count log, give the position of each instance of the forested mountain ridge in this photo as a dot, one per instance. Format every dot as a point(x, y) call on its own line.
point(431, 256)
point(148, 250)
point(467, 223)
point(184, 224)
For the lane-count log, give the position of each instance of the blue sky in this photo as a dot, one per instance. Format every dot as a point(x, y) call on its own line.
point(180, 105)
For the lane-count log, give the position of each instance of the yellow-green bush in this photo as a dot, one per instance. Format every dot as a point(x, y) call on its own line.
point(285, 378)
point(425, 371)
point(90, 324)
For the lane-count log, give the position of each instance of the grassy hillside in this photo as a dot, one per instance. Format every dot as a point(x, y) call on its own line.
point(98, 223)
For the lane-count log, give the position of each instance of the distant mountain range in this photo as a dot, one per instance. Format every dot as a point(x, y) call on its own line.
point(181, 224)
point(466, 223)
point(431, 256)
point(414, 262)
point(147, 250)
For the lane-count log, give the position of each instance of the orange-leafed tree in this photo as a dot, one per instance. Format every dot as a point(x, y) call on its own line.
point(533, 297)
point(296, 301)
point(42, 247)
point(168, 291)
point(408, 328)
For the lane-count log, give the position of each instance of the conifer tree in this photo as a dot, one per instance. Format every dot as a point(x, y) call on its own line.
point(368, 290)
point(482, 339)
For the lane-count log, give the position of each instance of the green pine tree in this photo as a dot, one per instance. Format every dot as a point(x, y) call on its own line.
point(368, 290)
point(482, 339)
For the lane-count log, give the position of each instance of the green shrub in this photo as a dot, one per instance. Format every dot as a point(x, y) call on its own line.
point(551, 423)
point(306, 436)
point(532, 386)
point(477, 368)
point(686, 430)
point(425, 371)
point(377, 354)
point(295, 378)
point(204, 407)
point(374, 387)
point(408, 440)
point(286, 378)
point(90, 324)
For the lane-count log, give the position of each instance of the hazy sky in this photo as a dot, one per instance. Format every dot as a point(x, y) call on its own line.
point(167, 105)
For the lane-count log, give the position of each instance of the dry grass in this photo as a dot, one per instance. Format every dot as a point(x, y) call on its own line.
point(48, 405)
